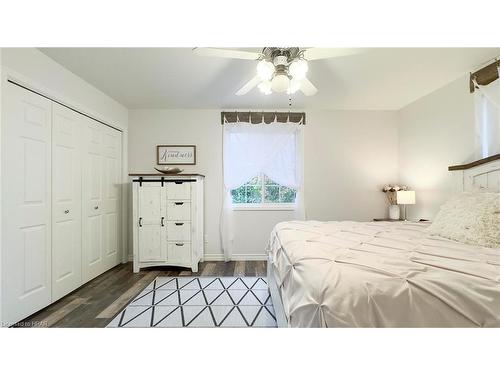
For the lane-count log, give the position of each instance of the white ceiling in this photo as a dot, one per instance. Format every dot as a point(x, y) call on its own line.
point(379, 78)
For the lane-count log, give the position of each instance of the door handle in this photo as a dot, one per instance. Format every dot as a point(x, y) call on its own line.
point(179, 244)
point(179, 203)
point(179, 223)
point(96, 207)
point(140, 222)
point(162, 219)
point(66, 211)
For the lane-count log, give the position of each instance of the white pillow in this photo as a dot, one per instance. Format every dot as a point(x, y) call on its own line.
point(472, 218)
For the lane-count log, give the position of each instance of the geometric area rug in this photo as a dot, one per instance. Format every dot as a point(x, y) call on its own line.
point(200, 302)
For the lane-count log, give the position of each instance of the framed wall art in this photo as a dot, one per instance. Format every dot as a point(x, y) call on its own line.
point(176, 154)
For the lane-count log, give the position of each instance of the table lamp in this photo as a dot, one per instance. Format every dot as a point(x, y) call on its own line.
point(405, 197)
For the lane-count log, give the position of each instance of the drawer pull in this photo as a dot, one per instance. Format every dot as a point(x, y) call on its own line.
point(179, 223)
point(179, 244)
point(179, 203)
point(179, 182)
point(140, 222)
point(66, 211)
point(96, 207)
point(162, 221)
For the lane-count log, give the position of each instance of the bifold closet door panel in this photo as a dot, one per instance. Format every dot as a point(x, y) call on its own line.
point(112, 150)
point(26, 203)
point(93, 175)
point(67, 129)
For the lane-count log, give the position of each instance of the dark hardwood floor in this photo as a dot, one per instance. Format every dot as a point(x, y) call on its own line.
point(96, 303)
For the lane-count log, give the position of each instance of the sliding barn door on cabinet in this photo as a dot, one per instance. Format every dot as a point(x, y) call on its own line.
point(67, 127)
point(101, 198)
point(152, 229)
point(26, 203)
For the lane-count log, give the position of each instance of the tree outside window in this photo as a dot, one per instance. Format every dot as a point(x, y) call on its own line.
point(262, 190)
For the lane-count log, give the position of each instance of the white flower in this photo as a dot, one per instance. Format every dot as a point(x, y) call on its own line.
point(396, 187)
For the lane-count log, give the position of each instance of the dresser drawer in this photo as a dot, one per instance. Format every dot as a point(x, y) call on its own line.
point(179, 231)
point(179, 252)
point(179, 191)
point(178, 210)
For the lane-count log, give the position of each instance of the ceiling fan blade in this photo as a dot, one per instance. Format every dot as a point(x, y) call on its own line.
point(326, 53)
point(226, 53)
point(248, 86)
point(307, 87)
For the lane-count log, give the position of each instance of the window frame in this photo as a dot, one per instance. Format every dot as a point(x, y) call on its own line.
point(263, 206)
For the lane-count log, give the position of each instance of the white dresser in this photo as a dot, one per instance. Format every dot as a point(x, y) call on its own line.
point(168, 226)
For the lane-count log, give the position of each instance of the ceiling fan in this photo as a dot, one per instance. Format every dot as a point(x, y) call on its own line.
point(280, 69)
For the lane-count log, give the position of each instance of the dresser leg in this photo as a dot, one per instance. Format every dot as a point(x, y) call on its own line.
point(136, 267)
point(194, 267)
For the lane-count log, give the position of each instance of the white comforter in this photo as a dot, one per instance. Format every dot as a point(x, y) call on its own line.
point(380, 274)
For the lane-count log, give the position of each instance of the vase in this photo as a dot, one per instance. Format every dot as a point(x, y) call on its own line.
point(394, 212)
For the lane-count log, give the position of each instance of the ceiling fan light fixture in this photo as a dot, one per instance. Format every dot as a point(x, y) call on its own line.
point(280, 83)
point(298, 69)
point(265, 70)
point(265, 87)
point(294, 86)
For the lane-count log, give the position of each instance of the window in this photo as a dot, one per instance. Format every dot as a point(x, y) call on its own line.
point(261, 190)
point(487, 105)
point(262, 166)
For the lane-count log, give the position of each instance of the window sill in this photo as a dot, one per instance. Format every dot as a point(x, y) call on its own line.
point(263, 207)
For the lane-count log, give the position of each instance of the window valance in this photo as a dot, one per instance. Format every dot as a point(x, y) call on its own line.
point(484, 76)
point(263, 117)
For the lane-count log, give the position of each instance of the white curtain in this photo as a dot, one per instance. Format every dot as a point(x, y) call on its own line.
point(250, 149)
point(487, 108)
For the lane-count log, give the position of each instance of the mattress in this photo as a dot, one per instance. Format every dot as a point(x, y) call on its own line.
point(382, 274)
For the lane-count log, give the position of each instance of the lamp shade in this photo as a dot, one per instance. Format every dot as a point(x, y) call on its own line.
point(405, 197)
point(265, 70)
point(298, 69)
point(280, 83)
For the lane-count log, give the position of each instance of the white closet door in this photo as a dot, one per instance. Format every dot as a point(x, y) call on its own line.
point(67, 127)
point(26, 203)
point(93, 173)
point(152, 222)
point(112, 148)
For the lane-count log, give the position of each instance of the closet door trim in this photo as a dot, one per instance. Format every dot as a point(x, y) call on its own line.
point(38, 92)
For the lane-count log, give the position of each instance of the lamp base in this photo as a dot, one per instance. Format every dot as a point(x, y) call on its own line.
point(404, 213)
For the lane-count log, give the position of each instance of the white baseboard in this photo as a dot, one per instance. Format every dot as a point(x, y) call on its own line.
point(234, 257)
point(220, 257)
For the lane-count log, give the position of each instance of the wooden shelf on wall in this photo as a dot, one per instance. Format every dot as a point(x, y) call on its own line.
point(474, 163)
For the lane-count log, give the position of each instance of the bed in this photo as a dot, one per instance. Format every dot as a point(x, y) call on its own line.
point(385, 274)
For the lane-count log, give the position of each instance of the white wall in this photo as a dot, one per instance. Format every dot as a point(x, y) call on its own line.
point(1, 176)
point(37, 69)
point(349, 155)
point(435, 132)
